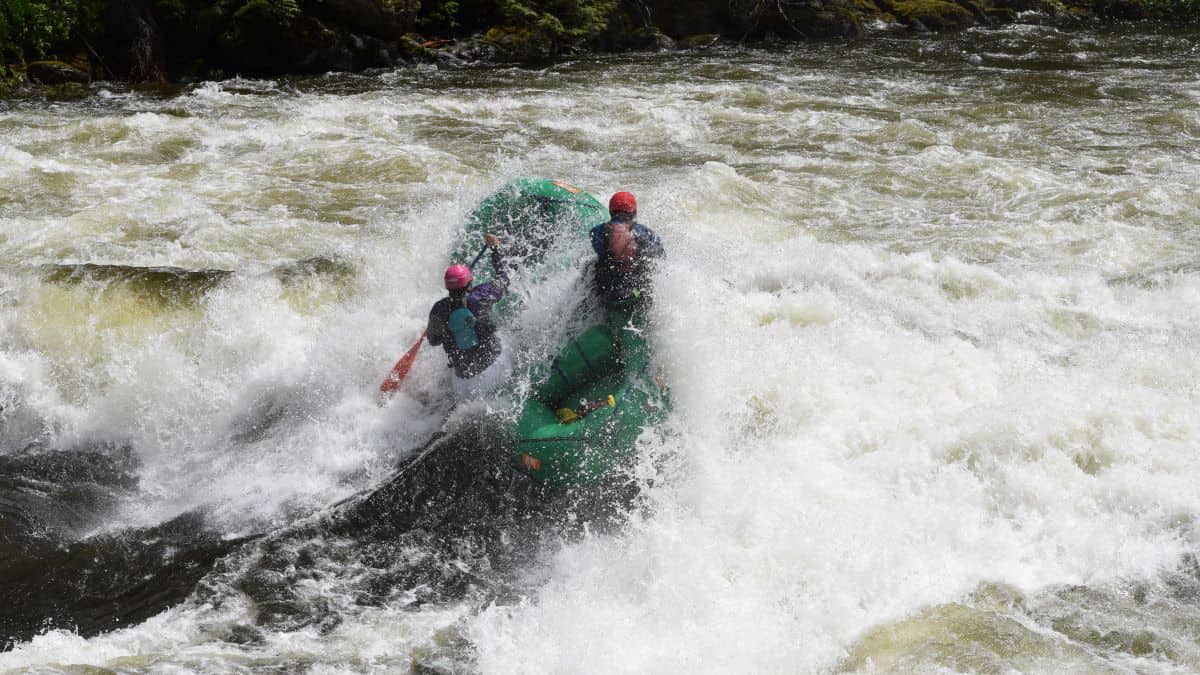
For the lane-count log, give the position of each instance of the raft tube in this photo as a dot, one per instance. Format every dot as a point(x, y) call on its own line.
point(533, 216)
point(544, 224)
point(606, 360)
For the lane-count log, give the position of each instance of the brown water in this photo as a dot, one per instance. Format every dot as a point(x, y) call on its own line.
point(929, 318)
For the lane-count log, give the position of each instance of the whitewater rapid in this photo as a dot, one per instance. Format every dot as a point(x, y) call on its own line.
point(929, 323)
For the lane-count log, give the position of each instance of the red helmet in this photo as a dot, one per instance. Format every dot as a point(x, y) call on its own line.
point(458, 277)
point(622, 202)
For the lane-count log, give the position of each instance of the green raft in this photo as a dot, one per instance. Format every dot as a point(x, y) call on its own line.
point(603, 378)
point(540, 220)
point(545, 224)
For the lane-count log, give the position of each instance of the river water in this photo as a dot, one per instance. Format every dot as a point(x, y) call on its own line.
point(929, 318)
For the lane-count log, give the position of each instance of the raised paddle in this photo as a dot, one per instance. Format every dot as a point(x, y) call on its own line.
point(400, 371)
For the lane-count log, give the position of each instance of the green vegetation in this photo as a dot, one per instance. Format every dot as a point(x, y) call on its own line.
point(933, 14)
point(278, 9)
point(525, 29)
point(30, 29)
point(168, 39)
point(1180, 9)
point(535, 30)
point(441, 15)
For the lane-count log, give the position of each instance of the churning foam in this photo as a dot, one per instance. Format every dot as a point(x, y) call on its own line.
point(914, 349)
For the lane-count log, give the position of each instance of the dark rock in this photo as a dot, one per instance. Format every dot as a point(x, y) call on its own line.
point(935, 15)
point(264, 42)
point(836, 23)
point(55, 72)
point(769, 20)
point(369, 52)
point(188, 36)
point(653, 38)
point(410, 47)
point(691, 18)
point(335, 59)
point(128, 42)
point(697, 23)
point(523, 44)
point(1017, 6)
point(242, 634)
point(260, 39)
point(916, 26)
point(104, 582)
point(1041, 12)
point(472, 50)
point(450, 58)
point(389, 21)
point(702, 41)
point(308, 33)
point(151, 40)
point(646, 39)
point(71, 91)
point(1123, 10)
point(61, 493)
point(981, 15)
point(208, 21)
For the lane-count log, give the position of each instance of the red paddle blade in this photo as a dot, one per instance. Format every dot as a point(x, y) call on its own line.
point(400, 370)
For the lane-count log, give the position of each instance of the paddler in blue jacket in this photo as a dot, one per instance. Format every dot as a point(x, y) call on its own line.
point(461, 324)
point(626, 248)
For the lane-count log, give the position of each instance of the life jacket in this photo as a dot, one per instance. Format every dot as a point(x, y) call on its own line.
point(462, 328)
point(473, 344)
point(622, 246)
point(621, 274)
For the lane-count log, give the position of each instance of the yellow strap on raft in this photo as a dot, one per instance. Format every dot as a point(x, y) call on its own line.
point(567, 415)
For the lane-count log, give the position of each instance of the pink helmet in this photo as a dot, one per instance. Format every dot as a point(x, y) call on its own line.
point(458, 277)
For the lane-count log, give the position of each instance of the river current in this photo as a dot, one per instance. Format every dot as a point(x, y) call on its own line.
point(929, 317)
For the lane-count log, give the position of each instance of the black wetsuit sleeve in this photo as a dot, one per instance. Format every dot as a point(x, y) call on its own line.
point(435, 331)
point(649, 245)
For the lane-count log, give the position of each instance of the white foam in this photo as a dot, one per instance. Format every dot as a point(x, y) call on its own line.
point(898, 365)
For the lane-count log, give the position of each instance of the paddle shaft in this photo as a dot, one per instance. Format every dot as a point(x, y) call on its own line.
point(477, 257)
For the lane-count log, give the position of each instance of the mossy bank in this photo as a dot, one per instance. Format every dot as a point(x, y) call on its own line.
point(64, 42)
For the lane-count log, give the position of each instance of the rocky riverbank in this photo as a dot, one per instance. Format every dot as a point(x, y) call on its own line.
point(172, 40)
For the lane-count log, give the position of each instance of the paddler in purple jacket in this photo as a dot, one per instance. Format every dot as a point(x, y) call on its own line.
point(461, 324)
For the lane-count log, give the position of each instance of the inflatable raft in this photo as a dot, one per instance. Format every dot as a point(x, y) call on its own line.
point(540, 220)
point(589, 404)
